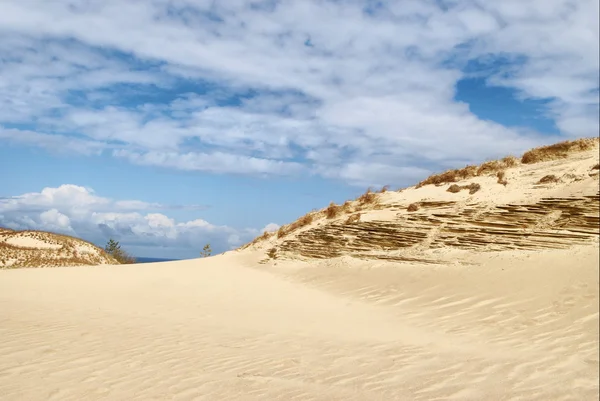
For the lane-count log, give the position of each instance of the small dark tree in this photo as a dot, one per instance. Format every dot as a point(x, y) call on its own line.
point(113, 248)
point(206, 251)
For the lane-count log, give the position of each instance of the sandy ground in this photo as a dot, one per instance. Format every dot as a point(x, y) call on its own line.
point(501, 326)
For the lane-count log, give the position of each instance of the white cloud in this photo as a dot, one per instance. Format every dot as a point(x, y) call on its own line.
point(78, 211)
point(319, 87)
point(214, 162)
point(271, 227)
point(54, 220)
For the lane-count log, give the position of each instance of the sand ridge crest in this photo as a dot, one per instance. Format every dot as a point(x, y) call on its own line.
point(519, 213)
point(31, 248)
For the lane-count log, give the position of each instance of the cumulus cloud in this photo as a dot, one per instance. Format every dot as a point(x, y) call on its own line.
point(271, 227)
point(351, 90)
point(78, 211)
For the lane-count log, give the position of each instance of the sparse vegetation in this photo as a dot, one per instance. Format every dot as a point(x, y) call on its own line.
point(206, 251)
point(113, 248)
point(301, 222)
point(272, 253)
point(488, 168)
point(413, 207)
point(473, 187)
point(454, 188)
point(492, 168)
point(510, 161)
point(501, 175)
point(33, 248)
point(558, 150)
point(333, 210)
point(545, 153)
point(282, 232)
point(264, 236)
point(449, 176)
point(367, 198)
point(548, 179)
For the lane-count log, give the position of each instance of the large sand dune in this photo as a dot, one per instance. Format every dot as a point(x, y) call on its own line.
point(483, 305)
point(507, 326)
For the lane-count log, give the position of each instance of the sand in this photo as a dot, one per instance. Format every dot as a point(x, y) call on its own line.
point(479, 307)
point(45, 249)
point(28, 242)
point(502, 326)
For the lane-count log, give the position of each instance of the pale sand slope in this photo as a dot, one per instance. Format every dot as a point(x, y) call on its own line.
point(510, 325)
point(45, 249)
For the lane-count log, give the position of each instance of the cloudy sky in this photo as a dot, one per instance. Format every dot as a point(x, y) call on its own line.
point(167, 124)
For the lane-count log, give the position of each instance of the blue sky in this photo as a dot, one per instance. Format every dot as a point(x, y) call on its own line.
point(170, 124)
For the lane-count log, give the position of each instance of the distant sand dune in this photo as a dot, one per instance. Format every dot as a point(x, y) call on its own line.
point(44, 249)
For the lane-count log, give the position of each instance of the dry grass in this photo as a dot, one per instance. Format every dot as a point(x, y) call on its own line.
point(264, 236)
point(545, 153)
point(558, 150)
point(551, 178)
point(449, 176)
point(494, 166)
point(413, 207)
point(454, 188)
point(353, 218)
point(473, 187)
point(272, 253)
point(67, 251)
point(330, 212)
point(282, 232)
point(510, 161)
point(123, 257)
point(367, 198)
point(501, 175)
point(490, 167)
point(301, 222)
point(333, 210)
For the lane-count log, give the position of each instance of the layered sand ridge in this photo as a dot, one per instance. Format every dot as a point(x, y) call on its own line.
point(546, 205)
point(44, 249)
point(495, 298)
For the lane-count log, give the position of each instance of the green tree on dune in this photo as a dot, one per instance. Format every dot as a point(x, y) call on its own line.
point(113, 248)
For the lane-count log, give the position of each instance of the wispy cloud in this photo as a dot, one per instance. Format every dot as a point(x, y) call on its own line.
point(352, 90)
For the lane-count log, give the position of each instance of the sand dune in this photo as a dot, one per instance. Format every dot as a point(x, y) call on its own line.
point(525, 213)
point(484, 296)
point(501, 327)
point(44, 249)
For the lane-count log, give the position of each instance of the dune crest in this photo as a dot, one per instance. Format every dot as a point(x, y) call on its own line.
point(45, 249)
point(547, 205)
